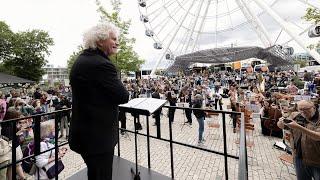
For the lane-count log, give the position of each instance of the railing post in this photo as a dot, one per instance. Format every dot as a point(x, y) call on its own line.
point(14, 146)
point(37, 138)
point(171, 149)
point(58, 117)
point(225, 145)
point(148, 142)
point(118, 141)
point(136, 141)
point(243, 160)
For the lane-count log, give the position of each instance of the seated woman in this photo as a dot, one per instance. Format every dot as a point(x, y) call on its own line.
point(46, 160)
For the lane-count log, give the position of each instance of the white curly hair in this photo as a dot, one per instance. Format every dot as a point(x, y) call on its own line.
point(98, 32)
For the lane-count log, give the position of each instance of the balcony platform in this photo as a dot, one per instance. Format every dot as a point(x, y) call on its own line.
point(121, 171)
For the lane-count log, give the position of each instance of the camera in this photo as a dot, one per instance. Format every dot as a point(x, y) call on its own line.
point(314, 31)
point(300, 120)
point(287, 121)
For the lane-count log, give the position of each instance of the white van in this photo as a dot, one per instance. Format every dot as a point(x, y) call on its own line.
point(257, 68)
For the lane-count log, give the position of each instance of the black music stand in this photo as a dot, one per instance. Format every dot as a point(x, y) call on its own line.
point(142, 106)
point(186, 105)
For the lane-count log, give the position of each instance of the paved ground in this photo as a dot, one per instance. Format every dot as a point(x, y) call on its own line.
point(192, 164)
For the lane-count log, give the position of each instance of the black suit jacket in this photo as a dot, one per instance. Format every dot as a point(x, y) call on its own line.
point(96, 93)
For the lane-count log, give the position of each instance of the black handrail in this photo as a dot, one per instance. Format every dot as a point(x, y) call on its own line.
point(243, 160)
point(243, 164)
point(36, 129)
point(243, 156)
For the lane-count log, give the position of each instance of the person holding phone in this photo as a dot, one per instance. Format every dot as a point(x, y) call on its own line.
point(304, 126)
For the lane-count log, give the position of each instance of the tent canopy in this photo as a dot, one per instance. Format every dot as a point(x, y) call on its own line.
point(274, 55)
point(9, 79)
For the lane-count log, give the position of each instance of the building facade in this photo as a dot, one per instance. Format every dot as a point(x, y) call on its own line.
point(55, 74)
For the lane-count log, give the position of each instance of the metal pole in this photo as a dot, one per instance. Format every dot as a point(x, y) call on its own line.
point(286, 27)
point(136, 141)
point(148, 142)
point(193, 26)
point(309, 4)
point(56, 134)
point(225, 145)
point(243, 160)
point(158, 125)
point(14, 146)
point(257, 21)
point(174, 35)
point(171, 149)
point(201, 26)
point(216, 28)
point(118, 142)
point(37, 138)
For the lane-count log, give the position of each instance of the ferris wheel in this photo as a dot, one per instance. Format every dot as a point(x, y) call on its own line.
point(183, 26)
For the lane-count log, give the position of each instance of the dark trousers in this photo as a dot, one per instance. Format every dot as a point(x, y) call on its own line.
point(99, 166)
point(234, 117)
point(171, 114)
point(188, 115)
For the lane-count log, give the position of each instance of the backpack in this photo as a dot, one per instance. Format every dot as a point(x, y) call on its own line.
point(28, 163)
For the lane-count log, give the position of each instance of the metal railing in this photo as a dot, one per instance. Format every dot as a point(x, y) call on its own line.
point(36, 130)
point(243, 164)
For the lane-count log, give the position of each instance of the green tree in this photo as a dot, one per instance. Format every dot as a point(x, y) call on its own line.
point(303, 63)
point(24, 53)
point(126, 59)
point(73, 57)
point(313, 15)
point(6, 38)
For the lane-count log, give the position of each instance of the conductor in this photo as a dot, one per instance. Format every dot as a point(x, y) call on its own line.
point(96, 93)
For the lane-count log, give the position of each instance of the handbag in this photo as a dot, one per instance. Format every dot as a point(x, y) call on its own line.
point(51, 172)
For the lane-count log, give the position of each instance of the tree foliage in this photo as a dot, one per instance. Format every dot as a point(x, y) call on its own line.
point(23, 54)
point(303, 63)
point(73, 57)
point(126, 59)
point(313, 15)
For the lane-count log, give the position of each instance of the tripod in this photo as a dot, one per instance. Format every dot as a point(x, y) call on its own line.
point(184, 115)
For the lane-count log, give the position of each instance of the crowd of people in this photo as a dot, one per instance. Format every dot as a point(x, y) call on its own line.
point(20, 103)
point(197, 90)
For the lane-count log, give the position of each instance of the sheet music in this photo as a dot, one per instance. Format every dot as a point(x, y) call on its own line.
point(147, 104)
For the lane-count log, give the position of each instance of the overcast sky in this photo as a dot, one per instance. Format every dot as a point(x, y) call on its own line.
point(66, 20)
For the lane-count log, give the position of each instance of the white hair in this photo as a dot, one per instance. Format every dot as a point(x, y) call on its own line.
point(47, 128)
point(98, 32)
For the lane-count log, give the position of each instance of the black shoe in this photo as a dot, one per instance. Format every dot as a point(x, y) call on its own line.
point(122, 133)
